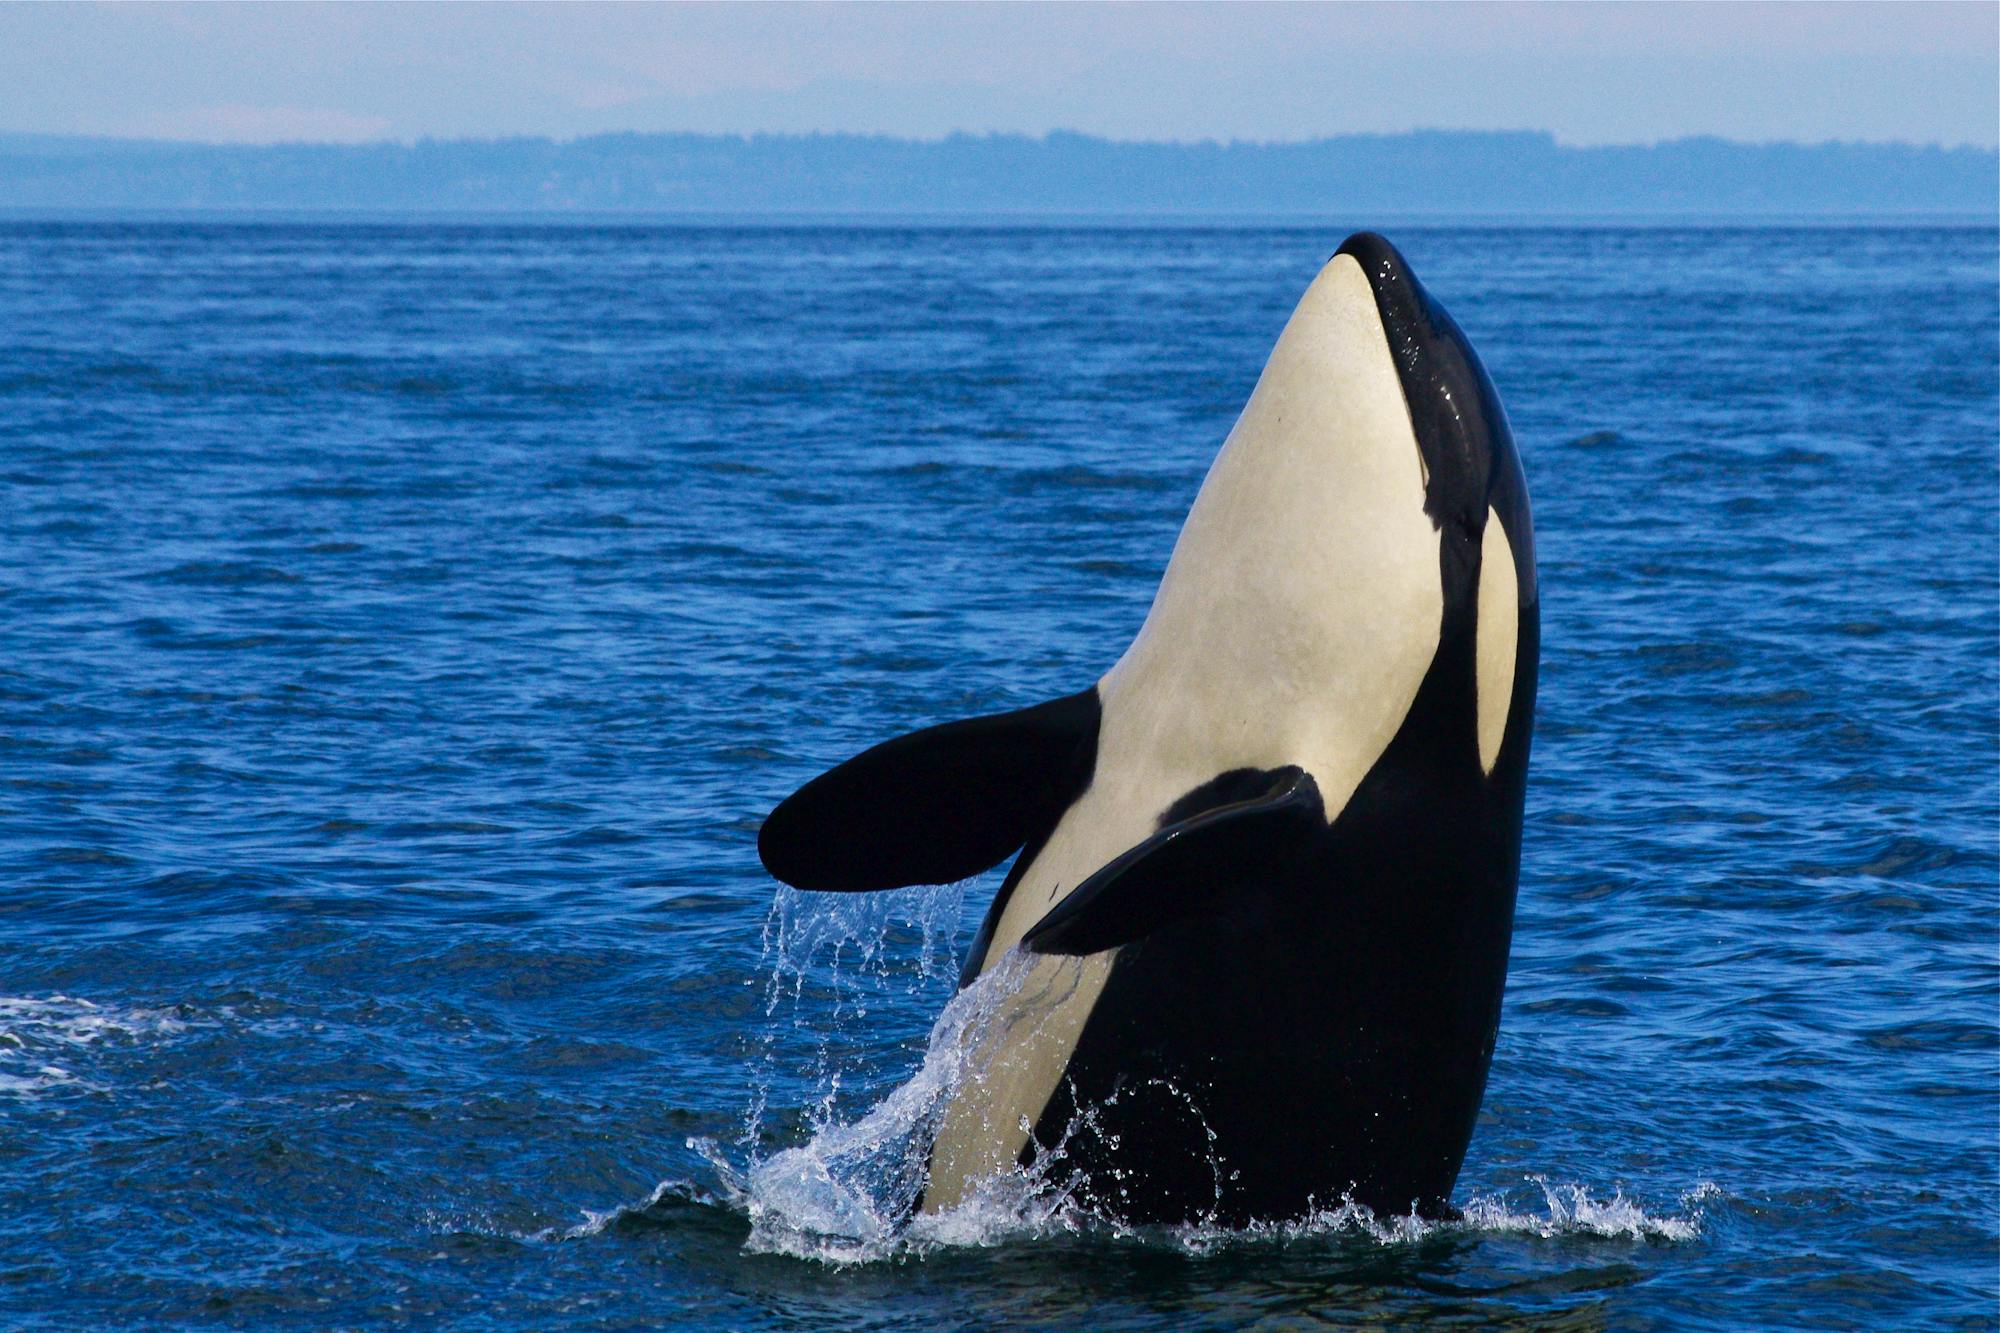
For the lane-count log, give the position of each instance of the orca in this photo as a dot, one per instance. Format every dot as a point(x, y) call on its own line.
point(1267, 864)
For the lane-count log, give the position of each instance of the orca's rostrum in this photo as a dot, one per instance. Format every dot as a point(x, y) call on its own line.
point(1268, 862)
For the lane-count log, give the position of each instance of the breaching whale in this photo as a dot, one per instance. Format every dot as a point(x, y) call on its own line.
point(1267, 864)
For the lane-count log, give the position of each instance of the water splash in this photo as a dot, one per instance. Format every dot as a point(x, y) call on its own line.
point(596, 1221)
point(848, 1193)
point(1574, 1211)
point(1568, 1210)
point(846, 940)
point(834, 960)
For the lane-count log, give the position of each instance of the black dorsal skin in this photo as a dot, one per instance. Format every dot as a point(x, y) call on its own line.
point(1327, 1034)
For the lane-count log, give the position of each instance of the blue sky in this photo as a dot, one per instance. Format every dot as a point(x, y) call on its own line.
point(1601, 73)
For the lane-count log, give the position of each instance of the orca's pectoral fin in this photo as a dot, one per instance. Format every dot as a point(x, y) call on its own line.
point(1183, 868)
point(935, 806)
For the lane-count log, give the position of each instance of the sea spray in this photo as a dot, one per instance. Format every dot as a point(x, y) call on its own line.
point(848, 1191)
point(847, 976)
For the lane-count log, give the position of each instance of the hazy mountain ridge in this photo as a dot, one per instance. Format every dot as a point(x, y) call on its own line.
point(1426, 172)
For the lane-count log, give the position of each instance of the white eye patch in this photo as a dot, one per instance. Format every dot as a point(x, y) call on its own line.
point(1498, 638)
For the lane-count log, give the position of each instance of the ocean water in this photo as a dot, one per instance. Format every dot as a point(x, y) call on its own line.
point(404, 629)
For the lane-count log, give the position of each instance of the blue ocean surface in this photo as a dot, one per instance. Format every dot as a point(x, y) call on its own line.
point(405, 628)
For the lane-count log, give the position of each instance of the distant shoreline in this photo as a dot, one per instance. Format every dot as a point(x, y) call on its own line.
point(1022, 221)
point(1446, 176)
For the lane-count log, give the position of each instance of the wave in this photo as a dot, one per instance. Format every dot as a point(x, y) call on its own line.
point(41, 1037)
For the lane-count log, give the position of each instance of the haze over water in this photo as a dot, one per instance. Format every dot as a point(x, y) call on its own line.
point(406, 628)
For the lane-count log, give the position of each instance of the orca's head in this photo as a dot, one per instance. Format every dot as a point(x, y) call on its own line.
point(1359, 553)
point(1470, 465)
